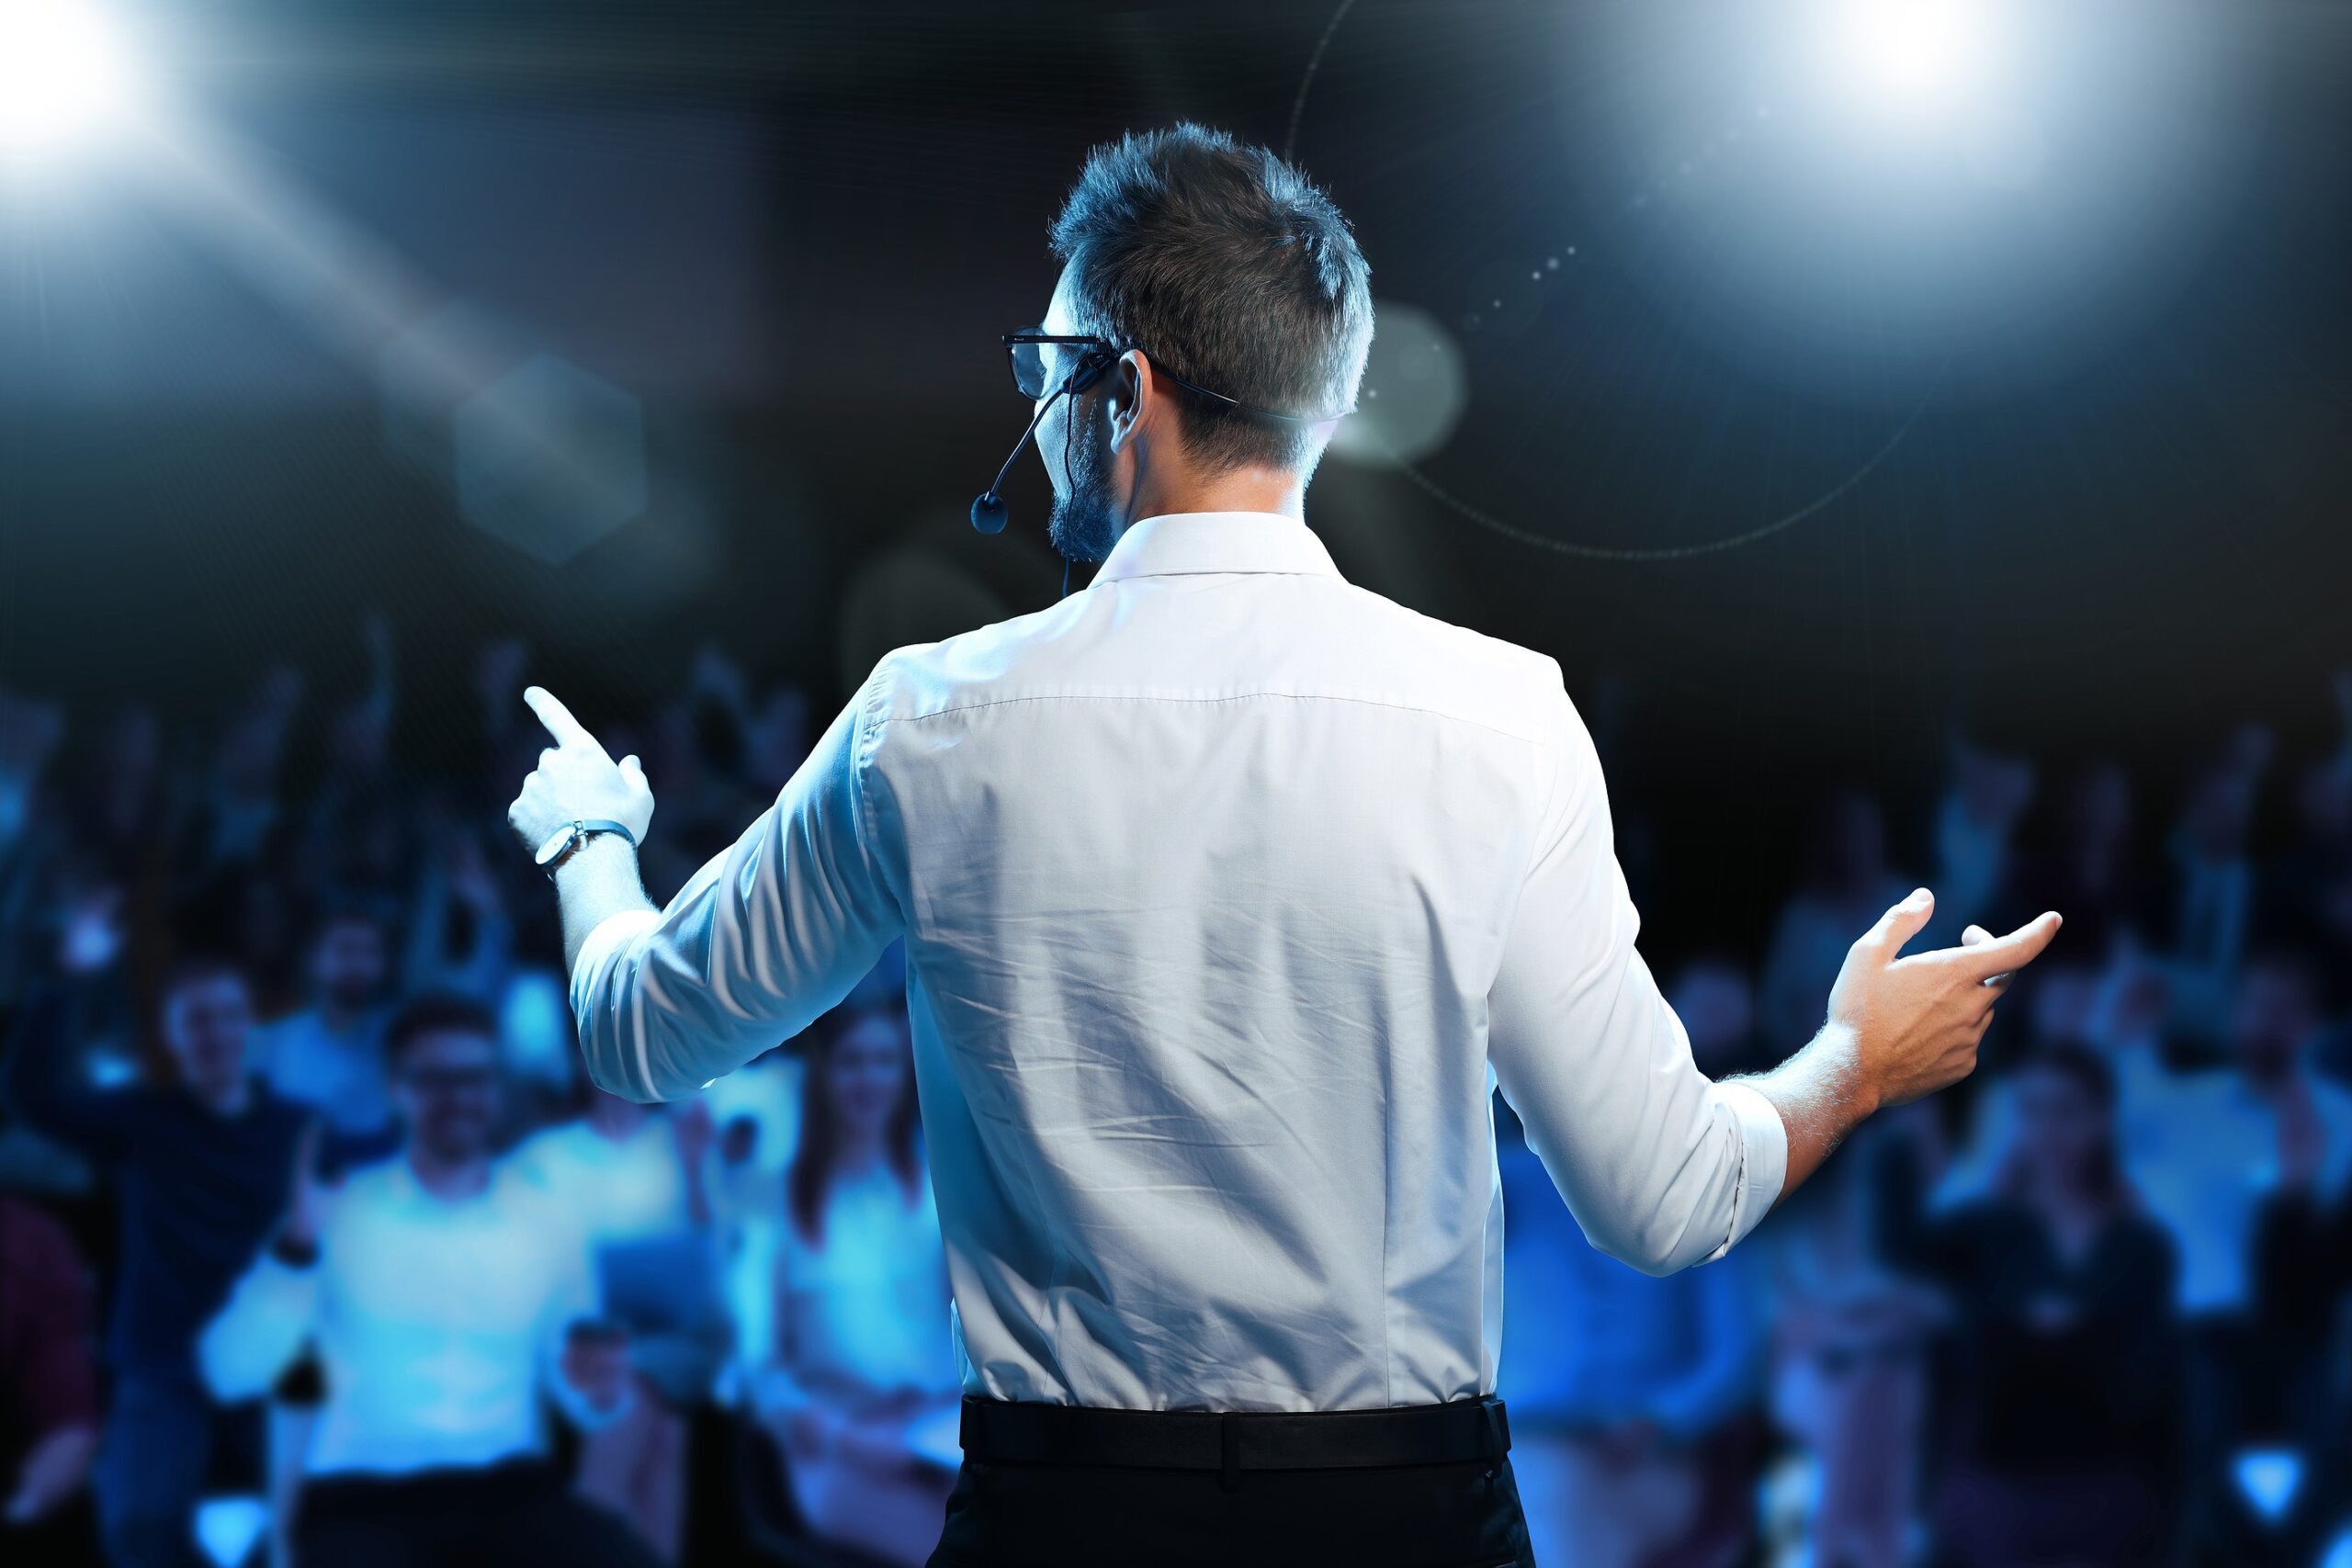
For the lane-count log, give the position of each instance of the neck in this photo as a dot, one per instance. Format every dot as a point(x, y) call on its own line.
point(1252, 488)
point(449, 1180)
point(860, 1150)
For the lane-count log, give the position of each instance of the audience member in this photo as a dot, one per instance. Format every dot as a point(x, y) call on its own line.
point(447, 1294)
point(330, 1055)
point(861, 1372)
point(198, 1169)
point(2056, 1414)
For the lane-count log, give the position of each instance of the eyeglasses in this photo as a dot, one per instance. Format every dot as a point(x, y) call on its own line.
point(1042, 359)
point(1043, 362)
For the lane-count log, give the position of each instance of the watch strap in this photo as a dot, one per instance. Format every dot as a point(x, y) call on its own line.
point(564, 840)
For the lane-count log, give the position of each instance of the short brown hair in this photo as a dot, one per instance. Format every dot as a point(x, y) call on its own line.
point(1226, 265)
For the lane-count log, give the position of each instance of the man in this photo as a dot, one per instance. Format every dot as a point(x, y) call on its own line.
point(446, 1294)
point(1225, 886)
point(330, 1055)
point(198, 1169)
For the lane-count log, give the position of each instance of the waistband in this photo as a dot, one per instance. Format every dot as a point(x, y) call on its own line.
point(1460, 1431)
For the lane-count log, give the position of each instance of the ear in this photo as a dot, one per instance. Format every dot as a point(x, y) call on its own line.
point(1128, 394)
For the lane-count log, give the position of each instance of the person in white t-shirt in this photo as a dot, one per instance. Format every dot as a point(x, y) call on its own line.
point(449, 1299)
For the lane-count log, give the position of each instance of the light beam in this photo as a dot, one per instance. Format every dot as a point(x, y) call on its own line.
point(62, 76)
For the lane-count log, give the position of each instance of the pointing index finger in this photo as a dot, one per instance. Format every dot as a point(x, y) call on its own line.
point(2005, 956)
point(567, 730)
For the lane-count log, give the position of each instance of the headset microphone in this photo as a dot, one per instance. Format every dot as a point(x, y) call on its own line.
point(988, 507)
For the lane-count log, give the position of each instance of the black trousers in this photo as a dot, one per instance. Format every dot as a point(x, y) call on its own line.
point(1032, 1514)
point(515, 1514)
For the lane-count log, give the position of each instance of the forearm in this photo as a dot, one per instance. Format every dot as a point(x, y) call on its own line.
point(260, 1330)
point(1821, 1093)
point(596, 882)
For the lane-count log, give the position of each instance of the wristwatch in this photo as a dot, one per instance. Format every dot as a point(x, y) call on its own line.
point(564, 840)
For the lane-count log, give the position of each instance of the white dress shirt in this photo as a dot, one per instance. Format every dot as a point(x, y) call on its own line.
point(1223, 883)
point(438, 1324)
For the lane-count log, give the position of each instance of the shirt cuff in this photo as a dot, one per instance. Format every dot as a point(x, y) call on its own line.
point(1763, 1160)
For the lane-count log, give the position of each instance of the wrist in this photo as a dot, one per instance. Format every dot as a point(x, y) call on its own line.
point(1857, 1084)
point(593, 852)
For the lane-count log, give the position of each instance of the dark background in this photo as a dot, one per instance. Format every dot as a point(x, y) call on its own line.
point(793, 234)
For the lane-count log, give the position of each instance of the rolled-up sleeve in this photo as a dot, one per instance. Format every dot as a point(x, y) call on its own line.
point(769, 934)
point(1660, 1165)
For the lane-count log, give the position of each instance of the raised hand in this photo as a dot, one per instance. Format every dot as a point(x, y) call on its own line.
point(1917, 1021)
point(576, 780)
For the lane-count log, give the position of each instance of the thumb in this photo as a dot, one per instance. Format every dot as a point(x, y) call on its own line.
point(634, 771)
point(1902, 922)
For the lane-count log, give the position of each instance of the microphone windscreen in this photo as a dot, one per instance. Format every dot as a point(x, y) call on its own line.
point(989, 513)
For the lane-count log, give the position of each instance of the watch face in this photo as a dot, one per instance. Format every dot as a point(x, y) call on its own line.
point(555, 844)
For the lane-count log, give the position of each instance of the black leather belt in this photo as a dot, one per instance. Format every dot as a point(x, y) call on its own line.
point(1461, 1431)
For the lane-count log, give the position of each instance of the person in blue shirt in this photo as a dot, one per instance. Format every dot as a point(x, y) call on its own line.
point(200, 1169)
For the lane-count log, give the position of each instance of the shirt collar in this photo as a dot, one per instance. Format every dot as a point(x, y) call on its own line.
point(1180, 543)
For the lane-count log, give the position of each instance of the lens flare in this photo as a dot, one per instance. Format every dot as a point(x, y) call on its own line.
point(62, 77)
point(1912, 56)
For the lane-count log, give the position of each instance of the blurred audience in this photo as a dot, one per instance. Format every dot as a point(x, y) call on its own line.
point(1631, 1399)
point(2056, 1414)
point(1848, 884)
point(2093, 1308)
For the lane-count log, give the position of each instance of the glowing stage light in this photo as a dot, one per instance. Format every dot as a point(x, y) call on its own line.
point(1912, 56)
point(62, 75)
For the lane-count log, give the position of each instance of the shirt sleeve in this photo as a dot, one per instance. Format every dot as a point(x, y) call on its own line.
point(767, 936)
point(257, 1335)
point(1661, 1166)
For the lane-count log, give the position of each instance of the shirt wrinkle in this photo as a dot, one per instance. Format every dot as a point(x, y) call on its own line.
point(1223, 908)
